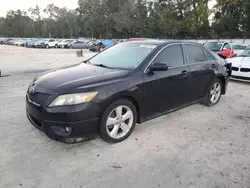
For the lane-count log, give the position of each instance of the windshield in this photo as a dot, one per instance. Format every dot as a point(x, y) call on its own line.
point(245, 53)
point(239, 47)
point(123, 56)
point(214, 46)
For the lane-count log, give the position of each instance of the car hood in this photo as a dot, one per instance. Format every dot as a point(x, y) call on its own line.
point(79, 76)
point(240, 62)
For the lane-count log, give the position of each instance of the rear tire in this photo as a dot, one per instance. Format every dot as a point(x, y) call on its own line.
point(118, 121)
point(47, 46)
point(214, 93)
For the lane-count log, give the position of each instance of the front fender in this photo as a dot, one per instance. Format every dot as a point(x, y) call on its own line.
point(130, 89)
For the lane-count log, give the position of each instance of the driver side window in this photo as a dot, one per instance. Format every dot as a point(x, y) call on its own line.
point(172, 56)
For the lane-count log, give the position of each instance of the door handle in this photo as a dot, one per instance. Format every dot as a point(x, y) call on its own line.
point(184, 72)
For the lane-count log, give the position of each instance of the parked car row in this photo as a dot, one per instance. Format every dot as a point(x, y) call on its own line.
point(91, 44)
point(226, 49)
point(236, 54)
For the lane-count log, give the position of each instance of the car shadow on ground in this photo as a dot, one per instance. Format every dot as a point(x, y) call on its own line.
point(241, 82)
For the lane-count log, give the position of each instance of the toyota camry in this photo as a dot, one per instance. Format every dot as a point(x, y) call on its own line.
point(126, 84)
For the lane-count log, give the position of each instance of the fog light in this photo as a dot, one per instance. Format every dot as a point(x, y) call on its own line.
point(80, 139)
point(61, 131)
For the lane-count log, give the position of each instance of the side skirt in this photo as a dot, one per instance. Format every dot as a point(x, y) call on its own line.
point(143, 119)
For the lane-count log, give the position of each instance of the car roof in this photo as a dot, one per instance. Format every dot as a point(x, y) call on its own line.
point(161, 42)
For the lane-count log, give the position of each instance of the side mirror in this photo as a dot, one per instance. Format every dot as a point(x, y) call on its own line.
point(79, 53)
point(158, 67)
point(222, 56)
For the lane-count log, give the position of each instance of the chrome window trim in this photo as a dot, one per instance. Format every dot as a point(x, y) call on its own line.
point(145, 70)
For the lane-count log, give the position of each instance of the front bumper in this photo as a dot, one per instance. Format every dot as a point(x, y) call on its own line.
point(66, 124)
point(241, 76)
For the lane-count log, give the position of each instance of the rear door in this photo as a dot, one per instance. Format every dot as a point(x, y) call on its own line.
point(202, 66)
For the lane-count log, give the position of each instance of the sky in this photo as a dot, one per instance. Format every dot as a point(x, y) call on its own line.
point(26, 4)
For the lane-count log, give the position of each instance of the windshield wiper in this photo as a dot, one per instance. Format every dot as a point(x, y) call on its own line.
point(104, 66)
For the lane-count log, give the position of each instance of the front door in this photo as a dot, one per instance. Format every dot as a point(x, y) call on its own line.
point(165, 90)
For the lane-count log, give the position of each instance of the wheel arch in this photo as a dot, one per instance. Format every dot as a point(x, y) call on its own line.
point(120, 97)
point(223, 81)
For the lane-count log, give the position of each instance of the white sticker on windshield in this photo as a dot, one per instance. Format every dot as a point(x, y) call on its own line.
point(147, 46)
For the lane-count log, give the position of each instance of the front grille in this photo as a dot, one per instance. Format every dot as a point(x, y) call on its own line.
point(40, 98)
point(235, 68)
point(65, 117)
point(244, 70)
point(241, 78)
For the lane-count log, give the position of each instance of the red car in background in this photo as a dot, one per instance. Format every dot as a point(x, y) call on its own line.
point(222, 48)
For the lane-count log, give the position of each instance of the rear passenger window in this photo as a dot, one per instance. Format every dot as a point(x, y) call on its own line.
point(195, 54)
point(171, 55)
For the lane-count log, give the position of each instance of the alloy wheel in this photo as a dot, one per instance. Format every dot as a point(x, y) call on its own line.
point(119, 122)
point(215, 92)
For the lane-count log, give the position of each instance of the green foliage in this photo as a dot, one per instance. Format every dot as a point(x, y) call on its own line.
point(132, 18)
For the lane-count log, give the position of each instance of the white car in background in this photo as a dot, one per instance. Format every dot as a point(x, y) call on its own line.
point(65, 42)
point(19, 42)
point(239, 48)
point(241, 66)
point(50, 43)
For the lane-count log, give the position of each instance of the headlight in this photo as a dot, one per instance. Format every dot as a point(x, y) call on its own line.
point(72, 99)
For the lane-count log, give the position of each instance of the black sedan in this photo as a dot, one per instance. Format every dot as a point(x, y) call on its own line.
point(126, 84)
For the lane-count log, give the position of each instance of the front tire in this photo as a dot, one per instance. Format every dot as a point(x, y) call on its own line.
point(118, 121)
point(47, 46)
point(214, 94)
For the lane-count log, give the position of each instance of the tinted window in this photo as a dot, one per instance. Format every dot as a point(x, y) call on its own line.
point(195, 54)
point(208, 56)
point(171, 55)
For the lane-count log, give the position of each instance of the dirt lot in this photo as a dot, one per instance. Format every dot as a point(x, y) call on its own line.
point(195, 147)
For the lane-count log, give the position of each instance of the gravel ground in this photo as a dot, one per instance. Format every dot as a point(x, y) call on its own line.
point(194, 147)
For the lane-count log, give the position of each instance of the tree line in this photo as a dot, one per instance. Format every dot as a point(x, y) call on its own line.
point(176, 19)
